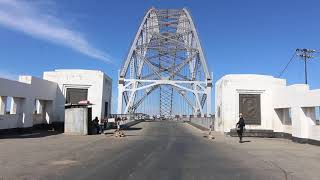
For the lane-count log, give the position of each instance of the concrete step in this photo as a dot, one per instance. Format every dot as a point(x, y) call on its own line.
point(266, 133)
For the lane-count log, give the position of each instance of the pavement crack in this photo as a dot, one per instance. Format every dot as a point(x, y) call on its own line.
point(285, 173)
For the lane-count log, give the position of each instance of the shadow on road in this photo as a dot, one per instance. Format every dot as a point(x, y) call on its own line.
point(109, 133)
point(132, 129)
point(30, 134)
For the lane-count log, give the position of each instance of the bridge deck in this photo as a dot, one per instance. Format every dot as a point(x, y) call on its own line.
point(156, 150)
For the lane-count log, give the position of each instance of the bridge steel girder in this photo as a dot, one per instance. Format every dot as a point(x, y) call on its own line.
point(165, 44)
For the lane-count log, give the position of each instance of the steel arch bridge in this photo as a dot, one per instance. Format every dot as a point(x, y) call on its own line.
point(166, 65)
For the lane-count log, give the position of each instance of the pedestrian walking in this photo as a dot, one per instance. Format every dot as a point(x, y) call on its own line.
point(240, 126)
point(118, 119)
point(96, 125)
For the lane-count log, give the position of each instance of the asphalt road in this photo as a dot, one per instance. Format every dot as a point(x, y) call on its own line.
point(156, 151)
point(169, 150)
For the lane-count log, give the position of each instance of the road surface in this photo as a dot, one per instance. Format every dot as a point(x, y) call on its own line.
point(155, 151)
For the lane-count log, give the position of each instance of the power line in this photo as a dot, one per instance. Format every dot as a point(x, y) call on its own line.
point(285, 68)
point(305, 54)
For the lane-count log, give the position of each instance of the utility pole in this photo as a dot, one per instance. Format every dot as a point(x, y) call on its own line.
point(305, 54)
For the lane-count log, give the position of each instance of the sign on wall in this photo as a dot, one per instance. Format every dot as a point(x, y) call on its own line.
point(249, 106)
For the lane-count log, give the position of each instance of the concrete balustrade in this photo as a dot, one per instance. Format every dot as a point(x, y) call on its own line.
point(204, 122)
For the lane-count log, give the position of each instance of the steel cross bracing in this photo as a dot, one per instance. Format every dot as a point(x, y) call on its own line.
point(166, 58)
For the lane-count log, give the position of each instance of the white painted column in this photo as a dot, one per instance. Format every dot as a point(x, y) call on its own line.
point(300, 122)
point(198, 105)
point(42, 107)
point(48, 110)
point(120, 94)
point(310, 118)
point(15, 103)
point(296, 121)
point(209, 91)
point(19, 103)
point(130, 102)
point(27, 112)
point(38, 106)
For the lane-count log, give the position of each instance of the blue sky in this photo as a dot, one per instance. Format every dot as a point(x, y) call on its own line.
point(247, 36)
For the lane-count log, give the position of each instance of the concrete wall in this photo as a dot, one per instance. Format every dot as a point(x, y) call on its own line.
point(227, 99)
point(24, 93)
point(98, 84)
point(10, 121)
point(204, 122)
point(277, 99)
point(107, 95)
point(38, 119)
point(50, 96)
point(76, 121)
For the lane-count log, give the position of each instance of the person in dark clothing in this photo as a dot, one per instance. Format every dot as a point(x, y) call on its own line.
point(240, 126)
point(96, 125)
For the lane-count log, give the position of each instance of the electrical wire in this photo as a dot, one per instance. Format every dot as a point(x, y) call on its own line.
point(285, 68)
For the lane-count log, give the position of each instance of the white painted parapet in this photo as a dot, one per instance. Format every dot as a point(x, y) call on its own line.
point(24, 94)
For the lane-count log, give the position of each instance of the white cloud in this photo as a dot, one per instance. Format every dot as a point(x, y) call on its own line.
point(37, 19)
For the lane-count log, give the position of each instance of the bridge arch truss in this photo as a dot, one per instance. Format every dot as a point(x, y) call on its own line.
point(166, 60)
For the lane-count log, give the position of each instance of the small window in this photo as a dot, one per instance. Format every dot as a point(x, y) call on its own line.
point(35, 106)
point(3, 103)
point(284, 115)
point(74, 95)
point(288, 119)
point(289, 115)
point(38, 106)
point(317, 115)
point(10, 109)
